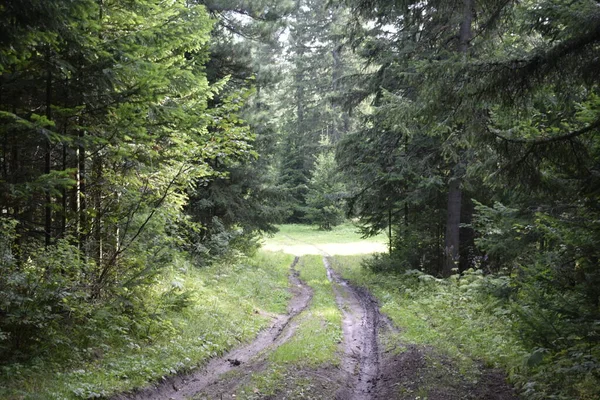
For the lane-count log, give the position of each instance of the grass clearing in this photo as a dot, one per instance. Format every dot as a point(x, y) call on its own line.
point(307, 239)
point(314, 345)
point(456, 318)
point(232, 304)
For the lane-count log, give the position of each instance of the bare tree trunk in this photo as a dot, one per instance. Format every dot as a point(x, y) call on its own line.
point(452, 242)
point(47, 156)
point(80, 201)
point(465, 28)
point(335, 76)
point(97, 204)
point(65, 159)
point(390, 242)
point(63, 211)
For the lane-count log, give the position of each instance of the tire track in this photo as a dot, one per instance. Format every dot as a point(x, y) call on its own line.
point(360, 325)
point(281, 330)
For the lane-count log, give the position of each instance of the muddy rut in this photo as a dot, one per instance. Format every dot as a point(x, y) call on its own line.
point(282, 328)
point(366, 372)
point(360, 326)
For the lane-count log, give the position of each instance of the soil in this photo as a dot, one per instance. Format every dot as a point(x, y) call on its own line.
point(360, 326)
point(282, 328)
point(375, 365)
point(419, 372)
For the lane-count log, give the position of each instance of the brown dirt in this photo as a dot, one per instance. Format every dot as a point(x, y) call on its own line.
point(306, 383)
point(420, 372)
point(282, 328)
point(360, 325)
point(415, 373)
point(403, 372)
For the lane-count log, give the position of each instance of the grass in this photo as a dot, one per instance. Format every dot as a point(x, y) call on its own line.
point(344, 233)
point(455, 317)
point(306, 239)
point(316, 340)
point(226, 299)
point(315, 343)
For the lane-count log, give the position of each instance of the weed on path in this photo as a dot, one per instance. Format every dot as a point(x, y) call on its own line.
point(183, 387)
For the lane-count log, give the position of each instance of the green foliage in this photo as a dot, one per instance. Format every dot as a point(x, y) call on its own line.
point(544, 338)
point(505, 236)
point(42, 298)
point(192, 315)
point(309, 104)
point(555, 290)
point(325, 196)
point(465, 316)
point(110, 124)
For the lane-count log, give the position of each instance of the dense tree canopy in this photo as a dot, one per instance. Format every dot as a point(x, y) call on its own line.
point(137, 133)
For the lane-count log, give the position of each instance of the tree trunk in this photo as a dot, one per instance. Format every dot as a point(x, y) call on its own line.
point(47, 156)
point(390, 242)
point(80, 200)
point(451, 250)
point(335, 76)
point(63, 212)
point(452, 242)
point(465, 28)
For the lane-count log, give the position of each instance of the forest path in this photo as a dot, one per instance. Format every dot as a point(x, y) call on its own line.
point(360, 326)
point(244, 360)
point(374, 363)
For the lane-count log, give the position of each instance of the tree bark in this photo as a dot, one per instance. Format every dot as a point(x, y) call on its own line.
point(47, 156)
point(452, 242)
point(452, 245)
point(465, 28)
point(80, 194)
point(335, 76)
point(390, 242)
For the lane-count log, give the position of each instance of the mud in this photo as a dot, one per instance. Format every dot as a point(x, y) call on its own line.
point(420, 372)
point(281, 329)
point(400, 372)
point(360, 326)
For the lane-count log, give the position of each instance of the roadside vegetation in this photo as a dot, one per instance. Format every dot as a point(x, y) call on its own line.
point(472, 318)
point(197, 314)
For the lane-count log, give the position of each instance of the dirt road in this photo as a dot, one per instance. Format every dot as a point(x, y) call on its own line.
point(366, 370)
point(281, 329)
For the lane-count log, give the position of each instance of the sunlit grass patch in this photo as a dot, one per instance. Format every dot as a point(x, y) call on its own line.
point(307, 239)
point(319, 333)
point(345, 233)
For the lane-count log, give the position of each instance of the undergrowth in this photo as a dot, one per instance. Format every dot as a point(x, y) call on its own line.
point(223, 306)
point(472, 316)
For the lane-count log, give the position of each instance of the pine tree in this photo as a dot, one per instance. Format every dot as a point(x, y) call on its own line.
point(326, 192)
point(317, 64)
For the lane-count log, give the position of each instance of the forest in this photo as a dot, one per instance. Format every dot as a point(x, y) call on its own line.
point(150, 149)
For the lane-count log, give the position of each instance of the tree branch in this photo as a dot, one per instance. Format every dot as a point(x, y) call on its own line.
point(552, 139)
